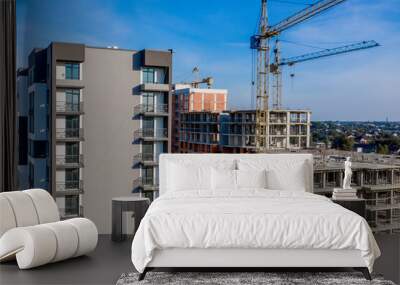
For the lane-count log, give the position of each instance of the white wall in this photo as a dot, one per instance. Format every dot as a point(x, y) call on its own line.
point(60, 71)
point(109, 80)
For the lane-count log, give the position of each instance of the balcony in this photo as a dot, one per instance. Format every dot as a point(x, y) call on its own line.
point(69, 188)
point(64, 108)
point(145, 183)
point(151, 134)
point(148, 87)
point(381, 225)
point(298, 121)
point(147, 159)
point(69, 161)
point(75, 134)
point(69, 83)
point(382, 204)
point(151, 110)
point(277, 121)
point(71, 212)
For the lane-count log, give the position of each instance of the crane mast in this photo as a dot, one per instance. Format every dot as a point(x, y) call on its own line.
point(276, 72)
point(262, 81)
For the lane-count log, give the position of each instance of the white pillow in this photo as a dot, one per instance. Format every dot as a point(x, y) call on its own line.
point(293, 180)
point(251, 178)
point(223, 179)
point(188, 177)
point(281, 174)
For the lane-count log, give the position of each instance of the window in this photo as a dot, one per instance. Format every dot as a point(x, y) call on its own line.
point(23, 140)
point(31, 75)
point(148, 75)
point(147, 175)
point(72, 152)
point(148, 150)
point(72, 178)
point(72, 126)
point(148, 101)
point(71, 205)
point(39, 149)
point(31, 175)
point(72, 71)
point(148, 123)
point(31, 112)
point(72, 98)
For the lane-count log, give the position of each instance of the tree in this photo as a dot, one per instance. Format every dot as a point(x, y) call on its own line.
point(383, 149)
point(342, 143)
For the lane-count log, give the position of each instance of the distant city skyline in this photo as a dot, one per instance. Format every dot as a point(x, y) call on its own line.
point(213, 35)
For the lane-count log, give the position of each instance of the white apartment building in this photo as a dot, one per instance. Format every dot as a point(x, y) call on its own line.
point(98, 118)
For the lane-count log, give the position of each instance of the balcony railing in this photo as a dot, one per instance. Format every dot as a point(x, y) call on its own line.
point(69, 160)
point(382, 204)
point(146, 183)
point(64, 107)
point(146, 109)
point(146, 158)
point(384, 224)
point(72, 134)
point(155, 87)
point(69, 187)
point(277, 121)
point(71, 212)
point(151, 134)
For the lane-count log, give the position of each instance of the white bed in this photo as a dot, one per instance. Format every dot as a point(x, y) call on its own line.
point(202, 220)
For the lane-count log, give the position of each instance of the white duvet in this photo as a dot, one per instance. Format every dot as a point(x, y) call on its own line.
point(250, 219)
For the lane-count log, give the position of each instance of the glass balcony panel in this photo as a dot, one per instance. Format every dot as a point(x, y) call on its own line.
point(62, 106)
point(69, 133)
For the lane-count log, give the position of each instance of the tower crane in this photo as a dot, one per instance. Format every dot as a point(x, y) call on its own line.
point(195, 83)
point(260, 43)
point(276, 70)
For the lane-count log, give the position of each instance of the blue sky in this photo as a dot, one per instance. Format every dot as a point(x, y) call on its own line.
point(214, 34)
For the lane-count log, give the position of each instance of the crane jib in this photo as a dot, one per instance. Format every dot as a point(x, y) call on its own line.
point(329, 52)
point(302, 15)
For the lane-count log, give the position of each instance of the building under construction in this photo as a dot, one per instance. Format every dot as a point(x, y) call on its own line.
point(234, 131)
point(286, 130)
point(195, 115)
point(376, 178)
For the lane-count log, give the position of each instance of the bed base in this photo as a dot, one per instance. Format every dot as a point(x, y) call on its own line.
point(363, 270)
point(242, 259)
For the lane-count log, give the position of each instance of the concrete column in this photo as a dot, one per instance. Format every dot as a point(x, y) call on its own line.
point(323, 180)
point(288, 130)
point(361, 178)
point(391, 208)
point(392, 179)
point(308, 130)
point(340, 179)
point(376, 212)
point(267, 120)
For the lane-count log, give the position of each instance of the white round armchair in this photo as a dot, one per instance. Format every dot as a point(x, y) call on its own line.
point(31, 230)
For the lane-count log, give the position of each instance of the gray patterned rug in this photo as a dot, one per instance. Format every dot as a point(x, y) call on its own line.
point(243, 278)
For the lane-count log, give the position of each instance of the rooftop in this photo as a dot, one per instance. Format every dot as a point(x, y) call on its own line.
point(333, 165)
